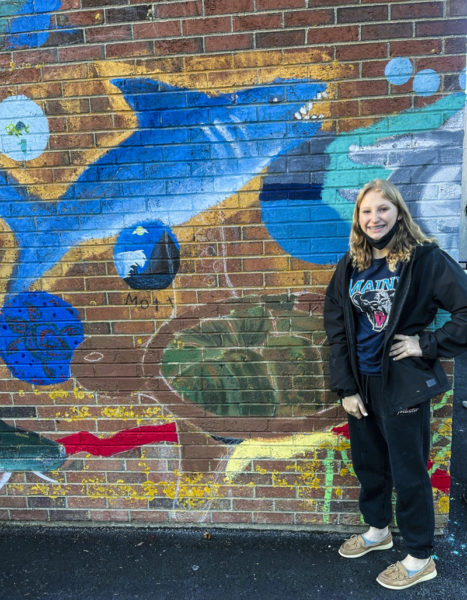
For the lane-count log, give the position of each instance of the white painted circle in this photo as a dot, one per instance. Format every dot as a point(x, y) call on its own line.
point(24, 129)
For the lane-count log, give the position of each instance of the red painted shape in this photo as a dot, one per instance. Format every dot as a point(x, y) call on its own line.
point(121, 441)
point(441, 480)
point(342, 430)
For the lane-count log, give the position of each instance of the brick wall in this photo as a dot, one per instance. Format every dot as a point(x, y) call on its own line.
point(176, 184)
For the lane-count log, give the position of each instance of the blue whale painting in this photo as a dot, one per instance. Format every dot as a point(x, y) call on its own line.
point(190, 151)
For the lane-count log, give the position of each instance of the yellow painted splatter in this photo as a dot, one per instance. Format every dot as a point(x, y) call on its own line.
point(139, 414)
point(58, 394)
point(50, 490)
point(443, 505)
point(445, 428)
point(189, 490)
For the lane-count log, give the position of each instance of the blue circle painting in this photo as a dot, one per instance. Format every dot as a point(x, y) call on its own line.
point(398, 71)
point(147, 256)
point(426, 82)
point(39, 333)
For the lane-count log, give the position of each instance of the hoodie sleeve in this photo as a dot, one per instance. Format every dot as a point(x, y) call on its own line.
point(450, 294)
point(342, 380)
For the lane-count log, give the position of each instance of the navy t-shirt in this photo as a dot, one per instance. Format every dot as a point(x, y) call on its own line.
point(372, 292)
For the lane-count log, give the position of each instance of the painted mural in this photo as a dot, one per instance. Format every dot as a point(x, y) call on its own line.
point(163, 296)
point(28, 23)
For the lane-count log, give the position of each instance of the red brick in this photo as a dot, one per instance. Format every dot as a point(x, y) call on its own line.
point(135, 327)
point(12, 501)
point(441, 28)
point(82, 53)
point(441, 64)
point(110, 516)
point(273, 518)
point(231, 517)
point(127, 14)
point(415, 47)
point(203, 26)
point(384, 106)
point(84, 17)
point(366, 87)
point(280, 39)
point(275, 492)
point(221, 7)
point(257, 22)
point(416, 10)
point(386, 31)
point(25, 515)
point(149, 516)
point(108, 34)
point(274, 4)
point(70, 4)
point(344, 108)
point(157, 30)
point(457, 8)
point(35, 57)
point(6, 58)
point(333, 3)
point(133, 49)
point(373, 68)
point(225, 43)
point(362, 14)
point(86, 502)
point(328, 35)
point(179, 9)
point(369, 51)
point(178, 46)
point(253, 504)
point(22, 75)
point(309, 18)
point(455, 45)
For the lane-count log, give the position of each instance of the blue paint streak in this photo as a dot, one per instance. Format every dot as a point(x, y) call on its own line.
point(301, 224)
point(31, 27)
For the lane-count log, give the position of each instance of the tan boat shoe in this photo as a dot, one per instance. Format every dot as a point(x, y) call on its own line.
point(396, 577)
point(356, 546)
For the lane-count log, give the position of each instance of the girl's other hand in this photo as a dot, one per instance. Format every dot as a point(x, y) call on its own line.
point(407, 345)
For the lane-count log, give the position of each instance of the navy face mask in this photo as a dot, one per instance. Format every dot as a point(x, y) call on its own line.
point(384, 241)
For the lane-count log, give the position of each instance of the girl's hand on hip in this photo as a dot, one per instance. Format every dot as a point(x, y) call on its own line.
point(353, 405)
point(407, 345)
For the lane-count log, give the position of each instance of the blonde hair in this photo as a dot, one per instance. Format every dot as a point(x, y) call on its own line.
point(405, 239)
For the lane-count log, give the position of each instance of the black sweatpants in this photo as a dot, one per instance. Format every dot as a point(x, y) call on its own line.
point(393, 449)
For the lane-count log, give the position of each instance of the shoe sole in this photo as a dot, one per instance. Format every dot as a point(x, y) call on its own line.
point(426, 577)
point(370, 549)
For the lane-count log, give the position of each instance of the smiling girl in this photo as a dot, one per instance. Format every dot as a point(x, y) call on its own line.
point(385, 368)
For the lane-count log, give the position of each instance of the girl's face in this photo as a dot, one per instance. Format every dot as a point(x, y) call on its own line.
point(376, 215)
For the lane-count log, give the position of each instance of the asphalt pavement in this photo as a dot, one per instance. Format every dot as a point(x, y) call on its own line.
point(71, 563)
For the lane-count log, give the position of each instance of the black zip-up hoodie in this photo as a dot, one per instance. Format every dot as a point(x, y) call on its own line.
point(430, 280)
